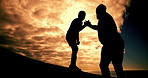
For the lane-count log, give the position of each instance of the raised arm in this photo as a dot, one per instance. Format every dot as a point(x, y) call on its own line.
point(91, 26)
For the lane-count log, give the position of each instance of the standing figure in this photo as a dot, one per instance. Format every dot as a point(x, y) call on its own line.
point(113, 44)
point(72, 37)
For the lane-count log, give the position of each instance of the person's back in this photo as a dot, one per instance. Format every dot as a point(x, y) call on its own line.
point(107, 30)
point(74, 29)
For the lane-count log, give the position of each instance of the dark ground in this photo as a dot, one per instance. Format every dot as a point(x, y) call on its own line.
point(15, 65)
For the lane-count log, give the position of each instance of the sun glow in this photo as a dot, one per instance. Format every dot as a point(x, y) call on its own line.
point(69, 14)
point(38, 28)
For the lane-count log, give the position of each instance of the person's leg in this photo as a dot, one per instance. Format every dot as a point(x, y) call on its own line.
point(74, 55)
point(104, 64)
point(117, 63)
point(73, 65)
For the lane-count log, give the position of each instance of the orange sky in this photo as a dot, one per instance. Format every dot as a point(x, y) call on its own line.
point(39, 26)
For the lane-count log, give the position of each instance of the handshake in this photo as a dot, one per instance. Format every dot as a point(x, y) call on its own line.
point(87, 23)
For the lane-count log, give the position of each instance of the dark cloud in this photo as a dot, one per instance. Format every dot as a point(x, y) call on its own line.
point(20, 32)
point(41, 13)
point(4, 31)
point(4, 39)
point(38, 38)
point(5, 18)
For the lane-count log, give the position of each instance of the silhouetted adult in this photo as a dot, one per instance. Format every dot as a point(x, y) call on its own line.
point(113, 44)
point(72, 37)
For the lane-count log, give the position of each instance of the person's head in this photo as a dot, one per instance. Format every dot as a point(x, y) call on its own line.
point(100, 10)
point(82, 15)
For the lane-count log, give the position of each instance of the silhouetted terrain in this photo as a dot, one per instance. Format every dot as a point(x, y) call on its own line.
point(15, 65)
point(136, 74)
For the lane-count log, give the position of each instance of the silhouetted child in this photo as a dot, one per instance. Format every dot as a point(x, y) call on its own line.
point(113, 44)
point(72, 37)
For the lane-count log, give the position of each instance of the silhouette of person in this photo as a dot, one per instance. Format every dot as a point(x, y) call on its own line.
point(72, 37)
point(113, 44)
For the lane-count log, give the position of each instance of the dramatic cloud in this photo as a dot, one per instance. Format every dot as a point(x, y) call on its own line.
point(37, 28)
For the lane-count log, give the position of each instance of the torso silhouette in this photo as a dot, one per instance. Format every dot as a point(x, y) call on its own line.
point(107, 33)
point(73, 31)
point(113, 44)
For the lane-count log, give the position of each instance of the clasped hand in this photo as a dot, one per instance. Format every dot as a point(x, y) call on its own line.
point(87, 23)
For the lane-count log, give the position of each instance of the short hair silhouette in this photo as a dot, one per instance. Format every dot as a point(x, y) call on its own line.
point(101, 9)
point(81, 15)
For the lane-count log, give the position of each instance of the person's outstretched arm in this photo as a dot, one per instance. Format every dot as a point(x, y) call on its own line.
point(91, 26)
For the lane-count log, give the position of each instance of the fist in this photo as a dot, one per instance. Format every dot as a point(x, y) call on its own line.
point(78, 42)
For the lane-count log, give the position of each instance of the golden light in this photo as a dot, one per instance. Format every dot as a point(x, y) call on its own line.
point(39, 26)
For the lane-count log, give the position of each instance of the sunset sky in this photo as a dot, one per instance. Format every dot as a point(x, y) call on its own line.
point(37, 28)
point(134, 33)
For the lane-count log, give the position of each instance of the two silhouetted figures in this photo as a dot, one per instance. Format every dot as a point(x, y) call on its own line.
point(113, 44)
